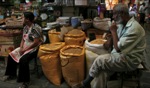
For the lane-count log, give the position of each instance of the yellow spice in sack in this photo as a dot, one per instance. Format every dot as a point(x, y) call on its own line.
point(73, 50)
point(51, 46)
point(98, 41)
point(75, 31)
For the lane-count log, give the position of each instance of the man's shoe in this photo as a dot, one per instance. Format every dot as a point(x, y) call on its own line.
point(80, 85)
point(8, 78)
point(24, 85)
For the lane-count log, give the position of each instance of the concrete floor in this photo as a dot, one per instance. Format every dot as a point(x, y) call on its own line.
point(42, 82)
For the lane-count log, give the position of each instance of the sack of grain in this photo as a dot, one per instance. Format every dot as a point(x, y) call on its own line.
point(50, 48)
point(54, 36)
point(96, 46)
point(50, 60)
point(51, 68)
point(102, 24)
point(93, 50)
point(75, 37)
point(72, 62)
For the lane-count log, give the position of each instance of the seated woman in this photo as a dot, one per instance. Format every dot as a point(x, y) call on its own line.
point(21, 56)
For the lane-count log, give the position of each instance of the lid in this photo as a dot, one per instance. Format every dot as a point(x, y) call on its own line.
point(44, 16)
point(52, 23)
point(64, 18)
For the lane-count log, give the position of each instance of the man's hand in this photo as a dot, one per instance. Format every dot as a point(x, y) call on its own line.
point(109, 43)
point(113, 28)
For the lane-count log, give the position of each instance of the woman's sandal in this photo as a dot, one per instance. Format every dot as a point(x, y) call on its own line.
point(24, 85)
point(8, 78)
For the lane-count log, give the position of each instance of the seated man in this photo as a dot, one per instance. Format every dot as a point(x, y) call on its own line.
point(129, 43)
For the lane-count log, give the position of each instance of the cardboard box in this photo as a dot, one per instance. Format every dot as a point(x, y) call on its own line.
point(7, 47)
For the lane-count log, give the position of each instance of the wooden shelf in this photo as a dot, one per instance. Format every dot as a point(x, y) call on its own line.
point(6, 4)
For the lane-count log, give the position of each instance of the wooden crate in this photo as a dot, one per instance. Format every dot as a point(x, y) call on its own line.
point(7, 46)
point(5, 49)
point(10, 39)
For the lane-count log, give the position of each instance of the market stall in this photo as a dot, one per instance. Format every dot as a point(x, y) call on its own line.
point(70, 40)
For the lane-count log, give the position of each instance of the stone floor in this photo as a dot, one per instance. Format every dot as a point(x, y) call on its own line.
point(36, 82)
point(42, 82)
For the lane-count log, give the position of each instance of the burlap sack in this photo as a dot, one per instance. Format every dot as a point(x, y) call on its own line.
point(72, 62)
point(102, 24)
point(93, 50)
point(50, 61)
point(51, 68)
point(54, 36)
point(75, 37)
point(96, 48)
point(50, 48)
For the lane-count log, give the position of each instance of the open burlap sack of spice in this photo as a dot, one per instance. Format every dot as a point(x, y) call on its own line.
point(93, 48)
point(75, 37)
point(50, 62)
point(51, 68)
point(96, 46)
point(72, 62)
point(52, 48)
point(54, 36)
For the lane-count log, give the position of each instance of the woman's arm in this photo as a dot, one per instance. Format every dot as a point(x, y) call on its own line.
point(35, 43)
point(21, 44)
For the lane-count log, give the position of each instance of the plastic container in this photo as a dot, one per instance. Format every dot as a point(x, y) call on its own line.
point(76, 21)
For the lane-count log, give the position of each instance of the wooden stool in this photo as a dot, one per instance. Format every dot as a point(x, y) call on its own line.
point(132, 76)
point(36, 65)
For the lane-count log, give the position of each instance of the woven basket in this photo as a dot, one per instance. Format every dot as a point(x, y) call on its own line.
point(72, 62)
point(75, 37)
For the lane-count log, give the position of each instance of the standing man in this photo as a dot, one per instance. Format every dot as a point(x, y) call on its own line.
point(142, 13)
point(128, 49)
